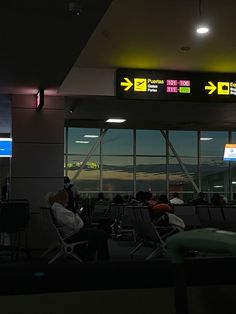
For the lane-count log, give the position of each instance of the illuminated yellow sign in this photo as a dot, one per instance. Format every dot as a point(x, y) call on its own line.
point(211, 87)
point(223, 88)
point(127, 84)
point(175, 86)
point(140, 85)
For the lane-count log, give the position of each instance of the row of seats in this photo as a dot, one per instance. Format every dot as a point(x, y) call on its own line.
point(207, 216)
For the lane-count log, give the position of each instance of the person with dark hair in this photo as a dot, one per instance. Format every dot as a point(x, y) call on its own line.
point(139, 196)
point(100, 197)
point(218, 200)
point(73, 195)
point(200, 200)
point(118, 199)
point(176, 200)
point(72, 226)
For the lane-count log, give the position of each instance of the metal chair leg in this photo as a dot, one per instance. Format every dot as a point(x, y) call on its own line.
point(136, 249)
point(59, 254)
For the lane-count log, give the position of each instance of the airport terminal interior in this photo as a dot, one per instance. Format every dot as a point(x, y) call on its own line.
point(117, 156)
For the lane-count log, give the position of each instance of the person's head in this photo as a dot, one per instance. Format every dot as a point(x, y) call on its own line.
point(49, 199)
point(175, 194)
point(147, 196)
point(66, 179)
point(139, 196)
point(201, 195)
point(118, 199)
point(100, 196)
point(61, 197)
point(163, 199)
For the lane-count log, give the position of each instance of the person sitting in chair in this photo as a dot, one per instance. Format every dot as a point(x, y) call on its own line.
point(73, 227)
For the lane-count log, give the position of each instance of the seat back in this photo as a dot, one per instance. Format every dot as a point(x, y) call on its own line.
point(230, 218)
point(114, 212)
point(204, 215)
point(99, 211)
point(217, 217)
point(184, 210)
point(188, 214)
point(126, 217)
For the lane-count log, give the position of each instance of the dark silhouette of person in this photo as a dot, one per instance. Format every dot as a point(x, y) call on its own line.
point(200, 200)
point(218, 200)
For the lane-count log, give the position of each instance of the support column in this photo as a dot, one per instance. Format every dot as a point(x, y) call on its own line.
point(38, 152)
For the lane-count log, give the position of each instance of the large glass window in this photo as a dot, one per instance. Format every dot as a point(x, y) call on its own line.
point(151, 174)
point(213, 143)
point(214, 174)
point(81, 141)
point(178, 180)
point(118, 142)
point(184, 142)
point(89, 177)
point(127, 171)
point(150, 142)
point(118, 173)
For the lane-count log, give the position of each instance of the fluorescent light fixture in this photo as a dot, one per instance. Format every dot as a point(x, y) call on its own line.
point(81, 142)
point(115, 120)
point(218, 186)
point(233, 182)
point(206, 138)
point(202, 29)
point(91, 136)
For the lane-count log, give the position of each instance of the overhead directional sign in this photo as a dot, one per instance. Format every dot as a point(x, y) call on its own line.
point(170, 85)
point(126, 83)
point(211, 88)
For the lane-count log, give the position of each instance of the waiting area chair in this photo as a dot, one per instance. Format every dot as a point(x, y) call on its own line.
point(14, 219)
point(65, 248)
point(146, 233)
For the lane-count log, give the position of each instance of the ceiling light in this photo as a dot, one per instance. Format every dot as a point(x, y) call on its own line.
point(81, 142)
point(218, 186)
point(115, 120)
point(233, 182)
point(91, 136)
point(202, 29)
point(206, 138)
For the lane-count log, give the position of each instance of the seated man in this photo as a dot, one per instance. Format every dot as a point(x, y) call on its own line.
point(73, 227)
point(176, 200)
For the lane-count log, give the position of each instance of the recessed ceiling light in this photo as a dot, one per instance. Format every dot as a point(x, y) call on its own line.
point(115, 120)
point(206, 138)
point(202, 29)
point(91, 136)
point(81, 142)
